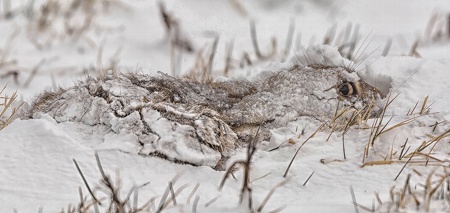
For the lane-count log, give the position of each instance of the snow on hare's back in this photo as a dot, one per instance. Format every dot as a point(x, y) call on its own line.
point(202, 123)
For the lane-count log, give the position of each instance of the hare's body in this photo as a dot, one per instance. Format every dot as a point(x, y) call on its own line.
point(201, 123)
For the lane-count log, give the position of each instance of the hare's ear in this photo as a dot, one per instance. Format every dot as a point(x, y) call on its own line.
point(383, 83)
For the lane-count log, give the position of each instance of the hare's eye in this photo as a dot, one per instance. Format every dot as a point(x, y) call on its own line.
point(346, 89)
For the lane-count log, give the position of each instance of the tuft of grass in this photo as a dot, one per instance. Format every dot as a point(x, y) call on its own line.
point(108, 196)
point(378, 126)
point(246, 190)
point(7, 110)
point(435, 141)
point(422, 155)
point(113, 202)
point(433, 191)
point(203, 66)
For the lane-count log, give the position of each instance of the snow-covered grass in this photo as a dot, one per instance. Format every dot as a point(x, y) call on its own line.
point(394, 163)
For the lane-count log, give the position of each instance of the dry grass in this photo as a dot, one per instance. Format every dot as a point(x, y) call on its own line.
point(203, 69)
point(238, 7)
point(246, 190)
point(433, 194)
point(52, 22)
point(8, 65)
point(246, 198)
point(7, 109)
point(421, 153)
point(76, 18)
point(346, 40)
point(108, 195)
point(296, 152)
point(436, 31)
point(178, 40)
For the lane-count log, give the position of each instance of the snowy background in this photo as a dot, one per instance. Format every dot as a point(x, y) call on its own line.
point(42, 50)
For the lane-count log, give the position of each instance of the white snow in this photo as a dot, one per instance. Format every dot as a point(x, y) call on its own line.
point(36, 155)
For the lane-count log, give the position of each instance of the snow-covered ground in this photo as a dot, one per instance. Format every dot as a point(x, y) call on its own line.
point(36, 156)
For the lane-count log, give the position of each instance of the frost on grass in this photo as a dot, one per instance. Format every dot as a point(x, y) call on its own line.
point(202, 123)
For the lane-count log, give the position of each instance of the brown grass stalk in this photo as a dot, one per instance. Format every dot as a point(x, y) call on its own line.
point(355, 204)
point(255, 44)
point(289, 38)
point(246, 185)
point(192, 193)
point(228, 59)
point(296, 152)
point(238, 7)
point(7, 105)
point(212, 201)
point(272, 190)
point(85, 181)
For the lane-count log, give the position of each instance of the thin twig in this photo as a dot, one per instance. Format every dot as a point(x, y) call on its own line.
point(192, 193)
point(355, 204)
point(309, 177)
point(228, 58)
point(33, 73)
point(289, 38)
point(282, 183)
point(85, 182)
point(255, 39)
point(403, 149)
point(163, 200)
point(292, 160)
point(212, 201)
point(208, 72)
point(401, 170)
point(194, 205)
point(387, 47)
point(172, 193)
